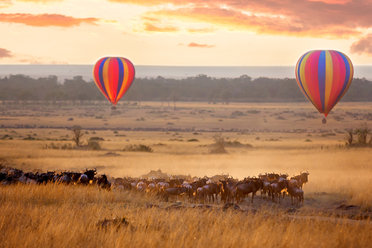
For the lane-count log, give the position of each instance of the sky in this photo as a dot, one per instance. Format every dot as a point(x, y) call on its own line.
point(180, 33)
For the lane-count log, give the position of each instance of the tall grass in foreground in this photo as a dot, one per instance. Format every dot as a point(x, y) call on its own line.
point(66, 216)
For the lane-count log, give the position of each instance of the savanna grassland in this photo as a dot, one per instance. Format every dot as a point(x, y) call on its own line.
point(283, 138)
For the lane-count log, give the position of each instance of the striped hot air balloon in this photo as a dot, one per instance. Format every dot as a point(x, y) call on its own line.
point(113, 76)
point(324, 76)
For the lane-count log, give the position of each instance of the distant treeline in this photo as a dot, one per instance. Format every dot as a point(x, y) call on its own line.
point(199, 88)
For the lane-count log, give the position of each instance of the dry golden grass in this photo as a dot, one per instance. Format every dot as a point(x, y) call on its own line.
point(62, 216)
point(66, 216)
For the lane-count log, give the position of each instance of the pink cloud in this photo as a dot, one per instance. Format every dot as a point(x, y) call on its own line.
point(45, 20)
point(159, 28)
point(320, 18)
point(4, 53)
point(40, 1)
point(363, 46)
point(194, 44)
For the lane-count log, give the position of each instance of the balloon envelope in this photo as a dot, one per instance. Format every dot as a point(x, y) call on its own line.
point(113, 76)
point(324, 76)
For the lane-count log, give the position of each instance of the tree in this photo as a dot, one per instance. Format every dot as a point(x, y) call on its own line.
point(349, 137)
point(77, 134)
point(362, 135)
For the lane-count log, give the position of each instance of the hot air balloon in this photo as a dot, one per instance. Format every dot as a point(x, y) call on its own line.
point(113, 76)
point(324, 76)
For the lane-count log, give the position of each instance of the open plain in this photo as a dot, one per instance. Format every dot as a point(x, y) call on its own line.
point(259, 138)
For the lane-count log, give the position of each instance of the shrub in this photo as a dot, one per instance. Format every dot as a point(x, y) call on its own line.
point(54, 146)
point(219, 144)
point(236, 143)
point(94, 138)
point(77, 134)
point(93, 145)
point(138, 148)
point(362, 137)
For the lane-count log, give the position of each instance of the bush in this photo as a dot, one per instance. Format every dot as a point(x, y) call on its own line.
point(236, 143)
point(94, 145)
point(362, 134)
point(96, 139)
point(54, 146)
point(219, 144)
point(138, 148)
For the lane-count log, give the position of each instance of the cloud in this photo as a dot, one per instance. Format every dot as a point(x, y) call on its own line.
point(363, 46)
point(5, 3)
point(157, 28)
point(201, 30)
point(319, 18)
point(40, 1)
point(260, 23)
point(148, 2)
point(194, 44)
point(45, 20)
point(4, 53)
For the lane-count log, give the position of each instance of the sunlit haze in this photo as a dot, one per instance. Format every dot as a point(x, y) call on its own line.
point(173, 32)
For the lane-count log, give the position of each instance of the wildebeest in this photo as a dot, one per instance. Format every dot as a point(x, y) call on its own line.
point(228, 190)
point(251, 185)
point(296, 193)
point(174, 191)
point(103, 182)
point(277, 187)
point(202, 189)
point(212, 190)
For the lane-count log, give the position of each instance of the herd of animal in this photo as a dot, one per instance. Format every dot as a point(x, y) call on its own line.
point(272, 186)
point(10, 176)
point(226, 189)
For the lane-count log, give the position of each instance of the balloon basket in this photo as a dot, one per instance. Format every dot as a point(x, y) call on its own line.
point(113, 107)
point(324, 121)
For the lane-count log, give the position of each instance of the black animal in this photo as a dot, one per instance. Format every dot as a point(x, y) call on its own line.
point(103, 182)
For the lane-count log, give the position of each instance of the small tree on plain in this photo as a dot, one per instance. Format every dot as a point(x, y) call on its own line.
point(77, 134)
point(362, 135)
point(219, 144)
point(349, 136)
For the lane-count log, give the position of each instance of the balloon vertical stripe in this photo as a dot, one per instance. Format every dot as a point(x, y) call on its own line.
point(106, 78)
point(298, 66)
point(324, 77)
point(129, 74)
point(121, 77)
point(312, 78)
point(328, 81)
point(351, 68)
point(113, 76)
point(347, 78)
point(303, 78)
point(98, 79)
